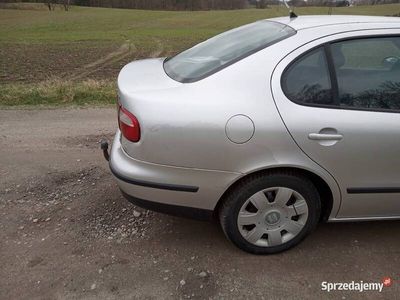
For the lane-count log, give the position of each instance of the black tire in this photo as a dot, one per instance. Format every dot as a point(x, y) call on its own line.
point(229, 210)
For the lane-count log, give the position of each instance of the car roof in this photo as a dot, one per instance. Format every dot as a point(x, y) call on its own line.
point(304, 22)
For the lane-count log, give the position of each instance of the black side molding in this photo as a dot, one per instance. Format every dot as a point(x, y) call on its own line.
point(374, 190)
point(163, 186)
point(175, 210)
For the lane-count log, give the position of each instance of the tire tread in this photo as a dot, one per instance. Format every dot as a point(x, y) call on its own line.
point(231, 198)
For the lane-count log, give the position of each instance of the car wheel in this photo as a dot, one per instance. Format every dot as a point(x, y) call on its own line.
point(270, 213)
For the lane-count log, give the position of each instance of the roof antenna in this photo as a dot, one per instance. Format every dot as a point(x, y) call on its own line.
point(292, 15)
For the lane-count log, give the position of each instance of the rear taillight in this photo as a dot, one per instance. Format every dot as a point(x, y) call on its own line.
point(129, 125)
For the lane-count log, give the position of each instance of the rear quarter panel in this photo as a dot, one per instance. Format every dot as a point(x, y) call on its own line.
point(184, 125)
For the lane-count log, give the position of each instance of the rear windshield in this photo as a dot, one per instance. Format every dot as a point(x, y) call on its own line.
point(224, 49)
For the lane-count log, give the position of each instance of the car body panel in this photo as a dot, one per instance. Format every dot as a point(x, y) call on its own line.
point(306, 22)
point(144, 75)
point(183, 126)
point(366, 157)
point(211, 184)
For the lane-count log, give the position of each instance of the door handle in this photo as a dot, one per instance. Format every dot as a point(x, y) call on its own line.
point(325, 137)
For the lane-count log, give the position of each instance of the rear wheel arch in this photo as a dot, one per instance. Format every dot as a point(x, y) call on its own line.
point(320, 184)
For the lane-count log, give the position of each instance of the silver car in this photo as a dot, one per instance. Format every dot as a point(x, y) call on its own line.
point(271, 128)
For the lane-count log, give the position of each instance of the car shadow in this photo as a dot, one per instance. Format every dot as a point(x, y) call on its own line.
point(346, 237)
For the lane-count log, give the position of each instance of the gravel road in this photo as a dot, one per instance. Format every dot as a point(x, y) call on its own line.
point(67, 233)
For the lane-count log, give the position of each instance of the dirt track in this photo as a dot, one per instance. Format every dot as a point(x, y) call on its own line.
point(66, 232)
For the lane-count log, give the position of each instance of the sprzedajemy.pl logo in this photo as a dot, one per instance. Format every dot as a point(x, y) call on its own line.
point(360, 286)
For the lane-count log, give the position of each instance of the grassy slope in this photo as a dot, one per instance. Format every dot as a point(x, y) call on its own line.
point(102, 24)
point(145, 30)
point(57, 92)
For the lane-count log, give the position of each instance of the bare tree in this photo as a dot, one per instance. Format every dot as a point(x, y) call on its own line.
point(51, 4)
point(262, 4)
point(66, 4)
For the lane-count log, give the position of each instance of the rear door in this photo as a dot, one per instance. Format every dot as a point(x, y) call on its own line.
point(340, 100)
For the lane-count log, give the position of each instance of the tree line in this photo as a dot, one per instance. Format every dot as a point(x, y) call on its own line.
point(167, 4)
point(146, 4)
point(198, 4)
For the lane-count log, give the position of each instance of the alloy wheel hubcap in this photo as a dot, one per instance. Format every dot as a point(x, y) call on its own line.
point(272, 216)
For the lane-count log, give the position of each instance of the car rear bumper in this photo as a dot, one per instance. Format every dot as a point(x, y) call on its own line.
point(174, 190)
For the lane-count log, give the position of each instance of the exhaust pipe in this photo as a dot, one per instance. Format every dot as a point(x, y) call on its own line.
point(104, 147)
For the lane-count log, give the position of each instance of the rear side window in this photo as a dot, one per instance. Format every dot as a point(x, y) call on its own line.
point(225, 49)
point(368, 73)
point(307, 80)
point(362, 73)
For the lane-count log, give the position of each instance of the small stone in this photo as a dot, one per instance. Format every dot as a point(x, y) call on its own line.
point(201, 286)
point(93, 286)
point(78, 160)
point(100, 271)
point(182, 282)
point(47, 219)
point(136, 214)
point(190, 269)
point(203, 274)
point(35, 220)
point(165, 278)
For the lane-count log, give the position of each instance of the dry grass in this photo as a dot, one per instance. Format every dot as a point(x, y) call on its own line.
point(58, 92)
point(23, 6)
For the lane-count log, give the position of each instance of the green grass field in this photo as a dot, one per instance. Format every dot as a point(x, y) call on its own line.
point(38, 47)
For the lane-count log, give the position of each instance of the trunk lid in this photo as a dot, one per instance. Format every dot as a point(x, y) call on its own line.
point(144, 75)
